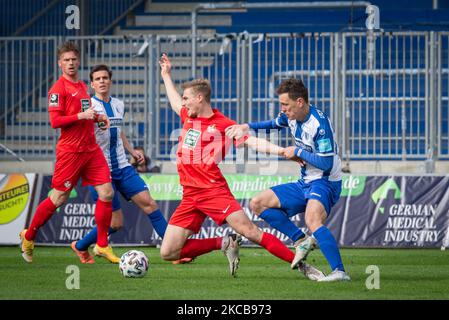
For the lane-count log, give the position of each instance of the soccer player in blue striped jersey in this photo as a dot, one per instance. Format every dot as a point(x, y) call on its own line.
point(125, 179)
point(319, 186)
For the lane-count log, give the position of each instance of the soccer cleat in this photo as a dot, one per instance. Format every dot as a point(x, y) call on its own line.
point(336, 275)
point(230, 247)
point(84, 256)
point(310, 271)
point(26, 246)
point(183, 261)
point(106, 253)
point(303, 247)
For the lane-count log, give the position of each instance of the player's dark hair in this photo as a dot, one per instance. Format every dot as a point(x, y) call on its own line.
point(295, 89)
point(199, 86)
point(68, 47)
point(100, 67)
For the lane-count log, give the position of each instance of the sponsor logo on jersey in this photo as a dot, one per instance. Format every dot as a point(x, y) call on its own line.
point(301, 144)
point(85, 104)
point(324, 145)
point(191, 139)
point(321, 114)
point(54, 100)
point(321, 132)
point(116, 122)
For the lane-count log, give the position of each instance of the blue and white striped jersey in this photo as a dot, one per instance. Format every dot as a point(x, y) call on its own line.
point(316, 135)
point(110, 140)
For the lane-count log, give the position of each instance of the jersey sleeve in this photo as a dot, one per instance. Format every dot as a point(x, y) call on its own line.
point(324, 139)
point(56, 98)
point(281, 121)
point(183, 114)
point(239, 141)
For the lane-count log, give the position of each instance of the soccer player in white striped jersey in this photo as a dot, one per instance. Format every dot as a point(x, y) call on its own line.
point(319, 186)
point(125, 179)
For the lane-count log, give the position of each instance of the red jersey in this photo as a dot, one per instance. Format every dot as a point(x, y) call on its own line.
point(70, 98)
point(202, 146)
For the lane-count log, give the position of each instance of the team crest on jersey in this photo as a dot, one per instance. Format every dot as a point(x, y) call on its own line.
point(54, 100)
point(67, 184)
point(211, 128)
point(321, 132)
point(85, 104)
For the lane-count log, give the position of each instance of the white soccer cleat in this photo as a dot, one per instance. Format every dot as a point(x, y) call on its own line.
point(311, 272)
point(230, 247)
point(336, 275)
point(303, 247)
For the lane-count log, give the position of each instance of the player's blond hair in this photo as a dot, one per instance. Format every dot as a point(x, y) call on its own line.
point(201, 86)
point(68, 47)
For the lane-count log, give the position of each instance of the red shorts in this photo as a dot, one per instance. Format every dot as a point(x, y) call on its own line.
point(71, 166)
point(196, 205)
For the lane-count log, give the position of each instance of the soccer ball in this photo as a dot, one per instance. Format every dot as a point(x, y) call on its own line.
point(133, 264)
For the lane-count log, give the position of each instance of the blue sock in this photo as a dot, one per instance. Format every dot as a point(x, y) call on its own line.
point(329, 248)
point(158, 221)
point(90, 238)
point(278, 219)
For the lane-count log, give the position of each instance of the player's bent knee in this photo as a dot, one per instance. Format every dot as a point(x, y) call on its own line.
point(168, 254)
point(59, 198)
point(252, 233)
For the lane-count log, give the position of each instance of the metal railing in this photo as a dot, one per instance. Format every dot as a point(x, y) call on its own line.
point(49, 18)
point(387, 94)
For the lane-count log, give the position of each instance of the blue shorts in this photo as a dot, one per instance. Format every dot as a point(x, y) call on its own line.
point(127, 181)
point(294, 196)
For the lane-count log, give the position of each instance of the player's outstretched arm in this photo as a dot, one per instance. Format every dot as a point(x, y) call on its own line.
point(237, 131)
point(263, 145)
point(59, 120)
point(173, 96)
point(324, 163)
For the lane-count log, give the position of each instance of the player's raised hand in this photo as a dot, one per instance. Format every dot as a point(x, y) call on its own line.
point(237, 131)
point(103, 122)
point(165, 64)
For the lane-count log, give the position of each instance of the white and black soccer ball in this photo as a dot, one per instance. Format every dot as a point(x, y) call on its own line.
point(134, 264)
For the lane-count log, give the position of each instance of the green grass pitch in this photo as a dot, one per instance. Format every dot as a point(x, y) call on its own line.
point(404, 274)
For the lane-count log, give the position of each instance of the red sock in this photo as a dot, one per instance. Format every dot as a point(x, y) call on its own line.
point(103, 215)
point(43, 212)
point(196, 247)
point(276, 247)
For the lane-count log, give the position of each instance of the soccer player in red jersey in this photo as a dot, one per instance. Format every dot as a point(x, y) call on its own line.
point(202, 145)
point(77, 154)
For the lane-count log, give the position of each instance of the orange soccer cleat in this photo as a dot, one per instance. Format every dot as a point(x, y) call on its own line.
point(84, 256)
point(182, 261)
